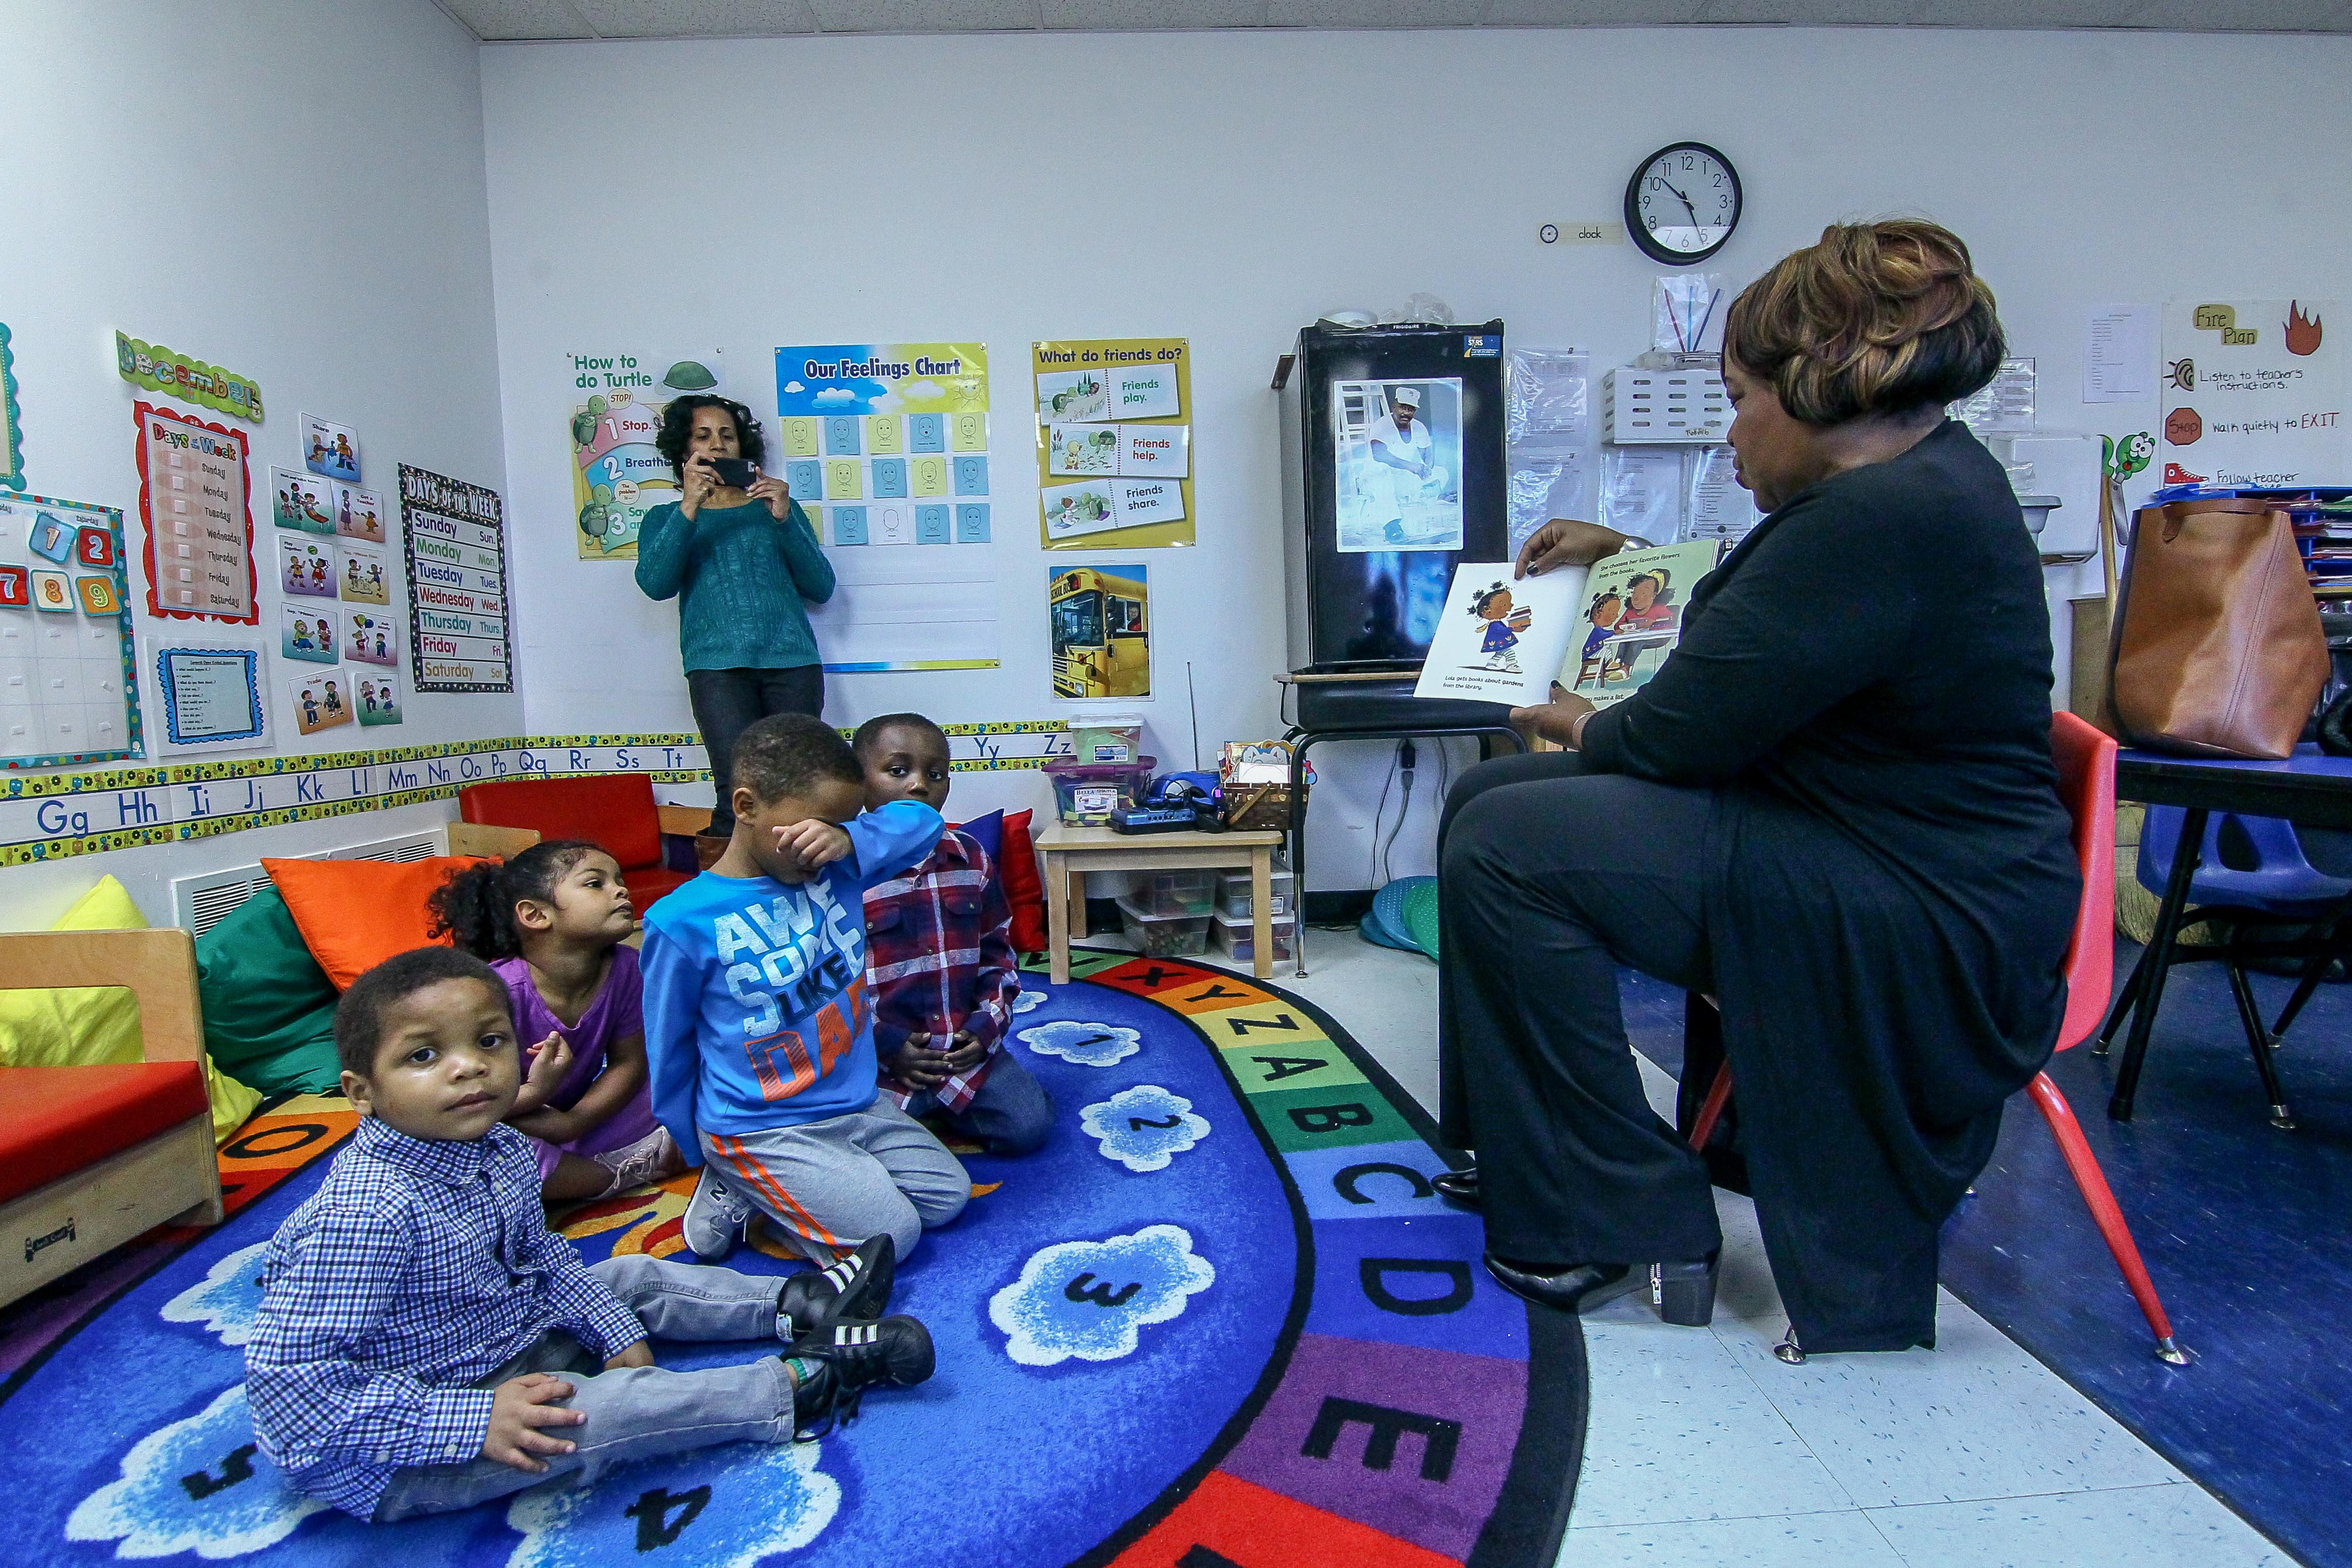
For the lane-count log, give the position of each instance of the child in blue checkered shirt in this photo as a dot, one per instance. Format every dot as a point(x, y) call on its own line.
point(424, 1343)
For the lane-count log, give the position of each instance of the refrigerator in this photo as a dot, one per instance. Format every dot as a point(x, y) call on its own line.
point(1392, 473)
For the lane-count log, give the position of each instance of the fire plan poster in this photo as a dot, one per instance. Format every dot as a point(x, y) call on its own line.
point(456, 548)
point(2253, 392)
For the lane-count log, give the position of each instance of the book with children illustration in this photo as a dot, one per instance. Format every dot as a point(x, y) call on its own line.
point(1630, 617)
point(1499, 639)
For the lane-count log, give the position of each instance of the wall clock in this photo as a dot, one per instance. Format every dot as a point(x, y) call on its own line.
point(1683, 202)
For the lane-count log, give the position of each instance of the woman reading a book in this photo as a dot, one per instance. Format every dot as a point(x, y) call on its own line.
point(1851, 847)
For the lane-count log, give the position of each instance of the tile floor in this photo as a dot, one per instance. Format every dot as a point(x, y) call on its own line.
point(1703, 1450)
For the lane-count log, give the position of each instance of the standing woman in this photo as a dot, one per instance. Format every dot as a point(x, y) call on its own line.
point(741, 561)
point(1839, 818)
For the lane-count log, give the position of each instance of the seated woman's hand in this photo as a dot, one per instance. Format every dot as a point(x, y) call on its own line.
point(1554, 721)
point(1563, 541)
point(775, 493)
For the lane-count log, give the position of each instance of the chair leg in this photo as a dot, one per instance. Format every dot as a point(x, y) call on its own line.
point(2259, 1042)
point(2092, 1183)
point(2122, 1009)
point(1711, 1111)
point(2304, 985)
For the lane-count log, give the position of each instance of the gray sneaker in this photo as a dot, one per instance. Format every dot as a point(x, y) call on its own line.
point(715, 1218)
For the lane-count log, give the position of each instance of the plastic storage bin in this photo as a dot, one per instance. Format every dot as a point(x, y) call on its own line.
point(1233, 894)
point(1238, 938)
point(1163, 936)
point(1175, 891)
point(1085, 793)
point(1106, 738)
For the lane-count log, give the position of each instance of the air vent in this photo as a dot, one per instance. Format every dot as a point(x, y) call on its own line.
point(201, 903)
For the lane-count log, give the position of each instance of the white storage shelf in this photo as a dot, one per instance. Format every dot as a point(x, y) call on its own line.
point(1668, 407)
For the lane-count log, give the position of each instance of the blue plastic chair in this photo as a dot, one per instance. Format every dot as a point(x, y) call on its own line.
point(2282, 888)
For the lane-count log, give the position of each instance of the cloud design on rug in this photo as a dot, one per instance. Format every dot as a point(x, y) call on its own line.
point(1143, 1127)
point(226, 1300)
point(1091, 1299)
point(1027, 1000)
point(198, 1485)
point(729, 1507)
point(1090, 1044)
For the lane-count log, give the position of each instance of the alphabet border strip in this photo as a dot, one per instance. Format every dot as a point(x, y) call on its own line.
point(55, 816)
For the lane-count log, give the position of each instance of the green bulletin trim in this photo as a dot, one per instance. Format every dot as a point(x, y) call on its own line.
point(12, 431)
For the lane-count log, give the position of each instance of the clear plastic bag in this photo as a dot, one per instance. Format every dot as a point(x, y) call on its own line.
point(1542, 488)
point(1546, 437)
point(1642, 492)
point(1686, 312)
point(1716, 507)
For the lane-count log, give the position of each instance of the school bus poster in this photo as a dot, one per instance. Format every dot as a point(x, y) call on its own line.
point(1101, 621)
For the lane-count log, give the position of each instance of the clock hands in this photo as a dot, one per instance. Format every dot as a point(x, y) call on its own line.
point(1686, 201)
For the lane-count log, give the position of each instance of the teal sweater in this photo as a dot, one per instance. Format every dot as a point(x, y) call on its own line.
point(738, 577)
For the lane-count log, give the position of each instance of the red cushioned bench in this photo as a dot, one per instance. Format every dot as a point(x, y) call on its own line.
point(615, 811)
point(92, 1156)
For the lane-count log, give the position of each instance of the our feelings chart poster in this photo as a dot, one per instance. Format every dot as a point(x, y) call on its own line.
point(886, 443)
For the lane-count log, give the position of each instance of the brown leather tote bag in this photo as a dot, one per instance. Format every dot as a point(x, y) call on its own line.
point(2217, 649)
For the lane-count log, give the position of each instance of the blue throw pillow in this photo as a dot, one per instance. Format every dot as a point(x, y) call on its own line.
point(989, 832)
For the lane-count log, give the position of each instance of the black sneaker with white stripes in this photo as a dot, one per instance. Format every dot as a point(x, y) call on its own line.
point(840, 1365)
point(857, 1289)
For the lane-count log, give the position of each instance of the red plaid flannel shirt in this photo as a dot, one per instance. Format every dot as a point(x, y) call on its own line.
point(939, 958)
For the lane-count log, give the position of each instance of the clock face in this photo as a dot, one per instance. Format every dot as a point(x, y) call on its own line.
point(1683, 202)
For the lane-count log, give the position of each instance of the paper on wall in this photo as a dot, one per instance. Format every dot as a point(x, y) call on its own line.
point(1163, 451)
point(2253, 393)
point(1642, 492)
point(1113, 408)
point(2119, 353)
point(1141, 501)
point(1500, 639)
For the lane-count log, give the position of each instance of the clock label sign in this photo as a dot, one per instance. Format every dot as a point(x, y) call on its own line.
point(1588, 231)
point(1683, 204)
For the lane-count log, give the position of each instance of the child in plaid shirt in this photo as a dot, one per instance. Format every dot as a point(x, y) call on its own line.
point(939, 961)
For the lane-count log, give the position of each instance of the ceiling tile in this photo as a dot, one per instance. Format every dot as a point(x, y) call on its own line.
point(927, 15)
point(1821, 13)
point(1135, 16)
point(1588, 13)
point(2251, 15)
point(1375, 13)
point(2027, 13)
point(496, 21)
point(696, 18)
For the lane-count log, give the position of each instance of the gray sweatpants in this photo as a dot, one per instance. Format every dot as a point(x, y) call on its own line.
point(636, 1412)
point(834, 1184)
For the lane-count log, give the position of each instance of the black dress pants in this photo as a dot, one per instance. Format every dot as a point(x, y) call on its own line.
point(728, 701)
point(1548, 878)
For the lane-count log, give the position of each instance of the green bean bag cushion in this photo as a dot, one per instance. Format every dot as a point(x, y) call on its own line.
point(269, 1010)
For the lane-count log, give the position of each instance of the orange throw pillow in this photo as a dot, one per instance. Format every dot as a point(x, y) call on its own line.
point(1024, 889)
point(353, 915)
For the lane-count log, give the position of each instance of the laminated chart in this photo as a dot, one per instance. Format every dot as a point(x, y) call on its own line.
point(884, 445)
point(457, 559)
point(193, 493)
point(68, 689)
point(1114, 441)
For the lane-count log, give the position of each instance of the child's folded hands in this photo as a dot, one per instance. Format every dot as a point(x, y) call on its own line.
point(546, 1075)
point(520, 1407)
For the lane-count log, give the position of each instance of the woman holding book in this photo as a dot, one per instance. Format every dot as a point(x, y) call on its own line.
point(1837, 823)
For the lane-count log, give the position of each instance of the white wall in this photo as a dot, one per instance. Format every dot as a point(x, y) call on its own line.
point(290, 190)
point(1229, 187)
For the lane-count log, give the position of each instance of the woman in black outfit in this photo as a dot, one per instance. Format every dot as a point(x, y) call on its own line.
point(1832, 812)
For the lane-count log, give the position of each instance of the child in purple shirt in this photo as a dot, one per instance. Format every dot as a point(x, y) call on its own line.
point(554, 923)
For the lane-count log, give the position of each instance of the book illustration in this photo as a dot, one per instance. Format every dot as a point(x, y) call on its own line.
point(1500, 637)
point(1505, 620)
point(1082, 448)
point(1633, 617)
point(1085, 507)
point(1072, 395)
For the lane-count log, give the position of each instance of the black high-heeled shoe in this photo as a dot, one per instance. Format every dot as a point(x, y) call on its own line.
point(1683, 1293)
point(1459, 1189)
point(1575, 1288)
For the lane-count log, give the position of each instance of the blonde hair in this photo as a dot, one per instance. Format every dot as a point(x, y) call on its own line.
point(1877, 319)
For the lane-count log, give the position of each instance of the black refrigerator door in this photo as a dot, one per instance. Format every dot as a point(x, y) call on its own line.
point(1401, 461)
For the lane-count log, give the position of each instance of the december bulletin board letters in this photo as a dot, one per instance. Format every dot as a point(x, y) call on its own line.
point(886, 443)
point(194, 492)
point(1114, 441)
point(68, 690)
point(454, 539)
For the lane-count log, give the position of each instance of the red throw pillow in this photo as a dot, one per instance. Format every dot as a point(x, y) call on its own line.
point(1024, 889)
point(353, 915)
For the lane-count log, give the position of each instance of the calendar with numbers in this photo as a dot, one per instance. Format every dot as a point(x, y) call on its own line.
point(68, 687)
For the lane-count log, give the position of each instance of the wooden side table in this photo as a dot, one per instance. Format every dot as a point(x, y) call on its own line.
point(1071, 852)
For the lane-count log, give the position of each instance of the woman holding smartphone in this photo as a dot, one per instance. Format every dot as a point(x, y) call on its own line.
point(742, 558)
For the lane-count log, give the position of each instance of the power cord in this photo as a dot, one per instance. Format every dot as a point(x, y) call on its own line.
point(1405, 758)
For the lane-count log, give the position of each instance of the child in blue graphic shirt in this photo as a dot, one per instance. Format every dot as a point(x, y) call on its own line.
point(758, 1029)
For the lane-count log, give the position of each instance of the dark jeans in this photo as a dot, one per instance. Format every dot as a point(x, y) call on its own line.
point(1549, 878)
point(728, 701)
point(1010, 1115)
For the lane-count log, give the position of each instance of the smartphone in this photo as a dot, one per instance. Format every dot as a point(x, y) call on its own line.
point(738, 471)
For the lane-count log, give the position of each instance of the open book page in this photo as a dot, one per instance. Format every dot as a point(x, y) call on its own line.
point(1498, 639)
point(1629, 617)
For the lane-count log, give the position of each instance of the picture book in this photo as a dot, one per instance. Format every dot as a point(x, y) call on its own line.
point(1631, 616)
point(1499, 640)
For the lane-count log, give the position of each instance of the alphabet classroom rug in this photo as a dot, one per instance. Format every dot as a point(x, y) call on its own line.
point(1218, 1319)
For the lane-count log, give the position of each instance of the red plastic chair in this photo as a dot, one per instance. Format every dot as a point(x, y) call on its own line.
point(2087, 780)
